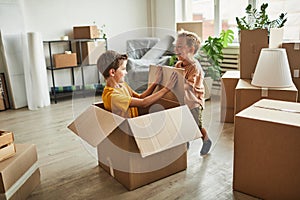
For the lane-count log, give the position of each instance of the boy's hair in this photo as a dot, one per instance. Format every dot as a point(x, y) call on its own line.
point(192, 39)
point(110, 60)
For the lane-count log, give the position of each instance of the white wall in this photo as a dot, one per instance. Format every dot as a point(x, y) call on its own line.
point(57, 17)
point(123, 19)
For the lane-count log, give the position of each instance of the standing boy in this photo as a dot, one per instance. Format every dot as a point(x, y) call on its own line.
point(117, 96)
point(187, 45)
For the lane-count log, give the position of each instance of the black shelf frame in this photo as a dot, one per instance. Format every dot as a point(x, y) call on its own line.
point(53, 94)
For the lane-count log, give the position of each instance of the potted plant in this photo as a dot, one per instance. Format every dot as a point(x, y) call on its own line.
point(259, 19)
point(254, 30)
point(213, 50)
point(212, 53)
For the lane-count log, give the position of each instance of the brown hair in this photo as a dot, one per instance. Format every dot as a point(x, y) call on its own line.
point(192, 39)
point(110, 60)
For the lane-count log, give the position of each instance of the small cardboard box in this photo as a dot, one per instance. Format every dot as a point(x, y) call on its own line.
point(251, 43)
point(7, 147)
point(19, 175)
point(140, 150)
point(90, 51)
point(229, 81)
point(247, 94)
point(85, 32)
point(65, 60)
point(266, 156)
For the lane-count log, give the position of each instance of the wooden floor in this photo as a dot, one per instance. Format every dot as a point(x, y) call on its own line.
point(69, 168)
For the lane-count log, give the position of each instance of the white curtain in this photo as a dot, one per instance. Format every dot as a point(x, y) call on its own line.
point(36, 81)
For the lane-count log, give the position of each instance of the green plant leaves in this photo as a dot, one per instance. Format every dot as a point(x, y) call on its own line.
point(256, 20)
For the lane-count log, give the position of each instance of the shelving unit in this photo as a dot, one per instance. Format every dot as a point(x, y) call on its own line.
point(55, 94)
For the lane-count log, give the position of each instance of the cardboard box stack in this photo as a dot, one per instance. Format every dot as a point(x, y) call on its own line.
point(137, 151)
point(266, 156)
point(293, 53)
point(229, 81)
point(19, 174)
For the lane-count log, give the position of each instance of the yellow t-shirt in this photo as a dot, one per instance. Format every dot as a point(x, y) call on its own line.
point(117, 100)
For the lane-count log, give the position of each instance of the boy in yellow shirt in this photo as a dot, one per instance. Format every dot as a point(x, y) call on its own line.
point(187, 45)
point(117, 96)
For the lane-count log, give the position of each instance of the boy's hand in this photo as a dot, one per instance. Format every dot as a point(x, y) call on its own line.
point(173, 80)
point(158, 75)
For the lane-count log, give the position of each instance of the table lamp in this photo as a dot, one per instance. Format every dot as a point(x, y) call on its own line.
point(272, 69)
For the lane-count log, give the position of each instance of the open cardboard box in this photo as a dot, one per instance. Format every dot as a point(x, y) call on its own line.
point(266, 156)
point(137, 151)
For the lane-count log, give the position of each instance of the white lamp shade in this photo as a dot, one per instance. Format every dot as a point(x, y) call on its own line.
point(272, 69)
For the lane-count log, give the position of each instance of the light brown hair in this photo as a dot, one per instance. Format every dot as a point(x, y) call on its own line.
point(192, 39)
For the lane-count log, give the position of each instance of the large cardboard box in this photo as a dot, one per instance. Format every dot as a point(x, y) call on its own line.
point(247, 94)
point(229, 81)
point(251, 43)
point(266, 156)
point(90, 51)
point(19, 175)
point(140, 150)
point(86, 32)
point(65, 60)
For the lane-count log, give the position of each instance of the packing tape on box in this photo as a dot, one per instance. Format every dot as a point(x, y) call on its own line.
point(264, 92)
point(296, 73)
point(111, 169)
point(297, 46)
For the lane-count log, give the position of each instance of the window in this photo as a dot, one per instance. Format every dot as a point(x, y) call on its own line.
point(229, 9)
point(292, 26)
point(203, 10)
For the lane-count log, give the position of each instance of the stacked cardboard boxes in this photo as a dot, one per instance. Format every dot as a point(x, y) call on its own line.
point(137, 151)
point(266, 156)
point(19, 174)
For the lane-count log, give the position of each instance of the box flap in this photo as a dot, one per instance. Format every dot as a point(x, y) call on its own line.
point(282, 112)
point(95, 124)
point(177, 93)
point(162, 130)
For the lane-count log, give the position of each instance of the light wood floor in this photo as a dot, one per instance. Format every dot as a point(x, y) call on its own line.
point(69, 169)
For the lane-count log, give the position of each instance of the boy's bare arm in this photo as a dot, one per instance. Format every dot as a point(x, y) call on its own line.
point(149, 100)
point(150, 89)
